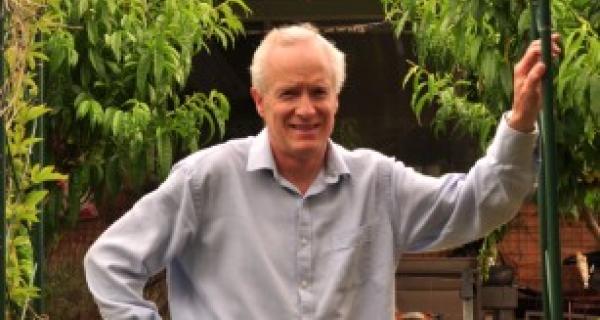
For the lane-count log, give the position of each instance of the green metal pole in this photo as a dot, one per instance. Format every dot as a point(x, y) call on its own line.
point(534, 34)
point(38, 228)
point(2, 172)
point(541, 209)
point(551, 255)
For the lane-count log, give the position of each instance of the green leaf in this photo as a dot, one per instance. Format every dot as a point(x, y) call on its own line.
point(80, 97)
point(241, 4)
point(116, 45)
point(399, 26)
point(107, 122)
point(202, 115)
point(592, 198)
point(595, 97)
point(44, 174)
point(112, 6)
point(82, 109)
point(82, 7)
point(96, 113)
point(415, 97)
point(114, 67)
point(164, 151)
point(20, 241)
point(33, 198)
point(117, 121)
point(92, 31)
point(158, 65)
point(524, 21)
point(36, 112)
point(488, 68)
point(474, 50)
point(97, 63)
point(143, 67)
point(506, 80)
point(222, 37)
point(421, 102)
point(412, 72)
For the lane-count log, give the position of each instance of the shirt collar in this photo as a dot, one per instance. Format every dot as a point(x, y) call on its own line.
point(261, 157)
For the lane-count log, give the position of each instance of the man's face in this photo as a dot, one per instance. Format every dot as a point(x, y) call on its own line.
point(299, 102)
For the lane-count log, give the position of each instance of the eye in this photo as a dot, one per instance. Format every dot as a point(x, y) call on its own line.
point(289, 93)
point(319, 92)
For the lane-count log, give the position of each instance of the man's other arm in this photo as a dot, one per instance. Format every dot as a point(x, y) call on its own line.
point(137, 246)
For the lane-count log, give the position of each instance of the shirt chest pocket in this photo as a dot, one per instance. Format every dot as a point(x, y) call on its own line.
point(350, 255)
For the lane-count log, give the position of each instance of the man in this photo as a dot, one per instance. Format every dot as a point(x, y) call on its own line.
point(289, 225)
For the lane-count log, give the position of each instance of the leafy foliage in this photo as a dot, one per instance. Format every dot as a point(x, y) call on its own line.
point(115, 75)
point(24, 191)
point(466, 50)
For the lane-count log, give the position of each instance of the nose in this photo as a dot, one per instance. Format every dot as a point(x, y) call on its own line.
point(306, 107)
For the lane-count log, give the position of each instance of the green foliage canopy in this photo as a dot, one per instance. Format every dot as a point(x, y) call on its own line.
point(466, 50)
point(114, 79)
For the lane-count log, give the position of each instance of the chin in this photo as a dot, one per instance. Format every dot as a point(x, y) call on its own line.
point(305, 149)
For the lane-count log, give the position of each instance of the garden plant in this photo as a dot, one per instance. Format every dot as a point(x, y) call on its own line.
point(115, 78)
point(465, 52)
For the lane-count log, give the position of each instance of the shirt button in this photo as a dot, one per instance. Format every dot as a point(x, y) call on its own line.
point(304, 284)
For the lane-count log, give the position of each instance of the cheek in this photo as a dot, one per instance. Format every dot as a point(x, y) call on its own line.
point(276, 117)
point(332, 111)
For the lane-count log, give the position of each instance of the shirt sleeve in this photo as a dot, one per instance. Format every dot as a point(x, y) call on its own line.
point(137, 246)
point(449, 211)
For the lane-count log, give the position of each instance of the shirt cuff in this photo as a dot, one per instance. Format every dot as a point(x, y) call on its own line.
point(511, 146)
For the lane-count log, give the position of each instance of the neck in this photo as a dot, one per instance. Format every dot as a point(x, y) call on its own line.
point(301, 172)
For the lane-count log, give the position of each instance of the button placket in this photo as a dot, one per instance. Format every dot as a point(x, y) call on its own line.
point(304, 260)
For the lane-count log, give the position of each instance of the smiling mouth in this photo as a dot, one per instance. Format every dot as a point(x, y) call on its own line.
point(304, 127)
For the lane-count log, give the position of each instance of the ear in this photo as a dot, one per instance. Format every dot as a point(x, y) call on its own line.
point(258, 101)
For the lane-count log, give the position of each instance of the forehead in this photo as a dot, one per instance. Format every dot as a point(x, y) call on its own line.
point(303, 62)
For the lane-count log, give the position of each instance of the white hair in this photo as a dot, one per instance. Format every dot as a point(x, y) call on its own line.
point(291, 35)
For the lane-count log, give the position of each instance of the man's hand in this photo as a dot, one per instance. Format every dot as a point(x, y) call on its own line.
point(527, 86)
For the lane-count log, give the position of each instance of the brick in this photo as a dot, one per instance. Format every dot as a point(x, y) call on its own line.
point(521, 247)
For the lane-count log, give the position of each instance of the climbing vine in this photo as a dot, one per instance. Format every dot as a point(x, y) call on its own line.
point(24, 191)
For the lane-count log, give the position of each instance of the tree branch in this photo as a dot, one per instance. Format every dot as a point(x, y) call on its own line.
point(591, 222)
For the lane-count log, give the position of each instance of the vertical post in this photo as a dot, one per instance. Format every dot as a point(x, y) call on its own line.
point(2, 172)
point(552, 253)
point(541, 208)
point(534, 34)
point(38, 228)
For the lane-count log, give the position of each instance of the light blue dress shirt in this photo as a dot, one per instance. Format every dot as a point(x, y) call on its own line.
point(240, 242)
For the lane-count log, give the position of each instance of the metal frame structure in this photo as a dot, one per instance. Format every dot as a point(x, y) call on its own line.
point(547, 182)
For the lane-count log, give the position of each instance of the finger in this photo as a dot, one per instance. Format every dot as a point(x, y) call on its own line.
point(531, 57)
point(555, 40)
point(534, 77)
point(555, 48)
point(554, 45)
